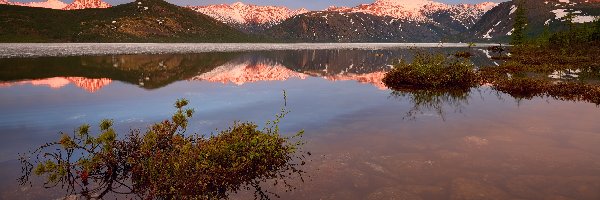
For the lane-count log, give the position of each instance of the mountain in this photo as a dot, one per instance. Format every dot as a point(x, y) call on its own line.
point(331, 26)
point(497, 24)
point(383, 21)
point(139, 21)
point(421, 10)
point(52, 4)
point(83, 4)
point(255, 19)
point(250, 18)
point(56, 4)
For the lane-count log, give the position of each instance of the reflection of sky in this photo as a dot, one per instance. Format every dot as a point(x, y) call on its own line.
point(32, 115)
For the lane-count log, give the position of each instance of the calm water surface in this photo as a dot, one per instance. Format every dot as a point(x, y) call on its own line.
point(366, 141)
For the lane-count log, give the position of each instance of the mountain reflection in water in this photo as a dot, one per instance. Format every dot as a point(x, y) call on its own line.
point(88, 84)
point(155, 71)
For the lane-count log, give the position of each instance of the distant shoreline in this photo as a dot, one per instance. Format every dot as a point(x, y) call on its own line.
point(19, 50)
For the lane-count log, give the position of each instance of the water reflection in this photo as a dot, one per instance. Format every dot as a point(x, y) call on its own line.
point(248, 69)
point(490, 148)
point(156, 71)
point(88, 84)
point(147, 71)
point(433, 100)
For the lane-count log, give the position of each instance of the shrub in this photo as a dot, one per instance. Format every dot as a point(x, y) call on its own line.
point(164, 163)
point(430, 71)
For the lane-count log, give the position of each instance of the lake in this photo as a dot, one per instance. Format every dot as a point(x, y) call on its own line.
point(367, 142)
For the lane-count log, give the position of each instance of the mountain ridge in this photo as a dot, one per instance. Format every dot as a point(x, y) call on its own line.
point(252, 18)
point(59, 5)
point(248, 17)
point(139, 21)
point(83, 4)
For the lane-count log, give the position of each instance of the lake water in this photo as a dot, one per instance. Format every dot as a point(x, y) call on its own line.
point(367, 142)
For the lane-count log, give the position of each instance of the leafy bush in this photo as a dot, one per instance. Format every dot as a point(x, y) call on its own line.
point(430, 71)
point(164, 163)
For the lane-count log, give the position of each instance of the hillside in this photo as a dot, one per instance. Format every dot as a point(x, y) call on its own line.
point(497, 24)
point(139, 21)
point(439, 20)
point(354, 27)
point(384, 21)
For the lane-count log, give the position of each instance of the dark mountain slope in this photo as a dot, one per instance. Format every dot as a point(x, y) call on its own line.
point(139, 21)
point(355, 27)
point(497, 24)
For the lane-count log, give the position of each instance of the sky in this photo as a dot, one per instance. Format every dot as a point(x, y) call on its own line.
point(295, 4)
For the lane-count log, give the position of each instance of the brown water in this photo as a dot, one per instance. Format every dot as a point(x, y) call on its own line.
point(365, 144)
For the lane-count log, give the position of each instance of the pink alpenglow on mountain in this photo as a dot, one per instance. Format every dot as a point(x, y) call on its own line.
point(52, 4)
point(83, 4)
point(240, 13)
point(415, 10)
point(485, 6)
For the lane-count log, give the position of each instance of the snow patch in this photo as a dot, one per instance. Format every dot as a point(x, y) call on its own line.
point(583, 19)
point(487, 35)
point(513, 8)
point(560, 13)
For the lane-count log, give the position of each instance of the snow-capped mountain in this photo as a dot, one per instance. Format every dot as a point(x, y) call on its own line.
point(253, 18)
point(383, 21)
point(57, 4)
point(53, 4)
point(330, 26)
point(246, 16)
point(424, 11)
point(83, 4)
